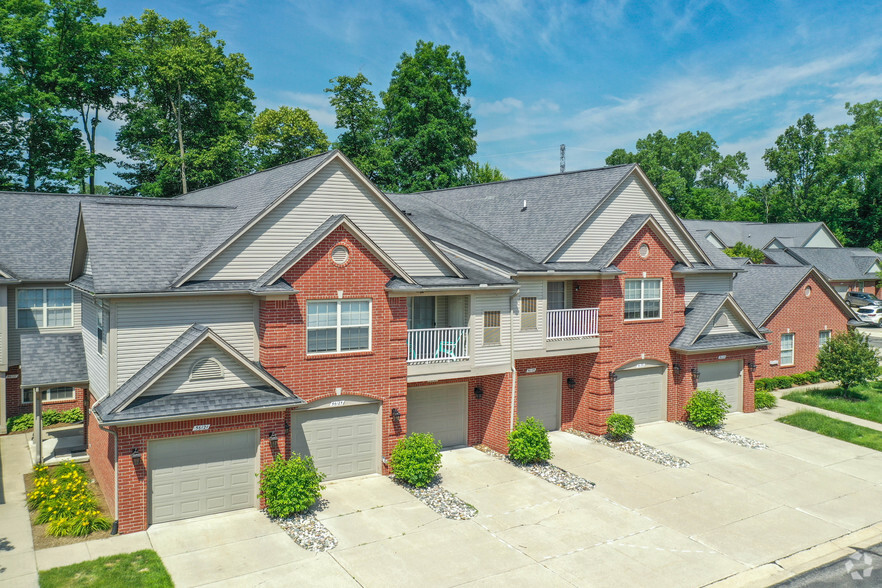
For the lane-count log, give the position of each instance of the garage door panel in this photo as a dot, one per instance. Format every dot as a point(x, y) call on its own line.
point(642, 394)
point(342, 441)
point(439, 410)
point(539, 397)
point(724, 376)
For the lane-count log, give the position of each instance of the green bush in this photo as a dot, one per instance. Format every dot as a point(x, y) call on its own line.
point(416, 459)
point(764, 399)
point(800, 379)
point(848, 358)
point(65, 501)
point(74, 415)
point(619, 426)
point(50, 417)
point(778, 382)
point(22, 422)
point(528, 442)
point(782, 382)
point(707, 408)
point(290, 485)
point(762, 384)
point(814, 377)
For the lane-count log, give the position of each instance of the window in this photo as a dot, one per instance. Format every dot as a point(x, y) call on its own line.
point(492, 330)
point(787, 349)
point(335, 326)
point(99, 330)
point(421, 312)
point(528, 313)
point(556, 295)
point(206, 368)
point(49, 395)
point(823, 337)
point(642, 299)
point(44, 307)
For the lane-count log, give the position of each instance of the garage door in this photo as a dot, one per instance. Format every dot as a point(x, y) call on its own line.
point(439, 410)
point(343, 441)
point(539, 397)
point(642, 393)
point(724, 376)
point(206, 474)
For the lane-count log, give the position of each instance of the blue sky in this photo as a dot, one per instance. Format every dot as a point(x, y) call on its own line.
point(593, 75)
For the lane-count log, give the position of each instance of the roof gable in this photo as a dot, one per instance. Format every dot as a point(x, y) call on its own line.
point(700, 331)
point(625, 235)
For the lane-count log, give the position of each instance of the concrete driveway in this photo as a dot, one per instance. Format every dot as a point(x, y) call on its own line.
point(746, 517)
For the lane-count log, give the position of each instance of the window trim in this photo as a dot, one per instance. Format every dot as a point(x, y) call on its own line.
point(73, 397)
point(45, 309)
point(643, 300)
point(829, 336)
point(792, 338)
point(100, 331)
point(339, 303)
point(534, 313)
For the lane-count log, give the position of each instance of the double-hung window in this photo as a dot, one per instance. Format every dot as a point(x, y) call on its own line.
point(48, 395)
point(44, 307)
point(336, 326)
point(642, 299)
point(787, 349)
point(528, 313)
point(823, 337)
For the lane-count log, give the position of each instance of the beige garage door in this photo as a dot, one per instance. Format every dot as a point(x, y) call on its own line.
point(205, 474)
point(439, 410)
point(343, 441)
point(539, 397)
point(642, 393)
point(724, 376)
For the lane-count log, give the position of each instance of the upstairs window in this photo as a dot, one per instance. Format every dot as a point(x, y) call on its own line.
point(528, 313)
point(556, 295)
point(492, 330)
point(642, 299)
point(336, 326)
point(823, 337)
point(787, 349)
point(44, 308)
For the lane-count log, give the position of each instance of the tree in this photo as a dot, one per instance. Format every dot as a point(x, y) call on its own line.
point(187, 112)
point(285, 135)
point(477, 173)
point(688, 170)
point(430, 129)
point(741, 249)
point(848, 358)
point(362, 118)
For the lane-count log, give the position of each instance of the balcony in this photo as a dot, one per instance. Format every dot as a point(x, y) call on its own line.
point(437, 345)
point(571, 323)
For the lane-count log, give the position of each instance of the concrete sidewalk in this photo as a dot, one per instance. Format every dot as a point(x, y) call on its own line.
point(18, 566)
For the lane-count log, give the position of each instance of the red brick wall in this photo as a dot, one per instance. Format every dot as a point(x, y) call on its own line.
point(805, 317)
point(578, 367)
point(100, 447)
point(133, 505)
point(687, 384)
point(380, 373)
point(15, 407)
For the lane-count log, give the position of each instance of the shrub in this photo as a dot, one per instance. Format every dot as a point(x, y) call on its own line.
point(782, 382)
point(290, 485)
point(800, 379)
point(762, 384)
point(707, 408)
point(528, 442)
point(814, 377)
point(416, 459)
point(848, 357)
point(74, 415)
point(764, 399)
point(65, 501)
point(619, 426)
point(22, 422)
point(50, 417)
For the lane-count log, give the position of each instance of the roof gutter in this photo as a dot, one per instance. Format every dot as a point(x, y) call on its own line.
point(569, 273)
point(259, 293)
point(431, 289)
point(715, 349)
point(186, 417)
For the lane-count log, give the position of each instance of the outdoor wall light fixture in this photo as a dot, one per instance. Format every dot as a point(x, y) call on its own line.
point(613, 376)
point(751, 366)
point(396, 415)
point(571, 383)
point(576, 286)
point(273, 437)
point(695, 373)
point(479, 392)
point(677, 369)
point(136, 456)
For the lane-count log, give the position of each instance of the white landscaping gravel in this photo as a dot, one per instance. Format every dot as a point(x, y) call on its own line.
point(307, 531)
point(637, 448)
point(442, 501)
point(550, 473)
point(721, 433)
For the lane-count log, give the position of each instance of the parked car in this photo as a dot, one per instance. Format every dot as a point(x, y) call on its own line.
point(870, 314)
point(861, 299)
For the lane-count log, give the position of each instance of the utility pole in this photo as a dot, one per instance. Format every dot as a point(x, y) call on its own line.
point(563, 158)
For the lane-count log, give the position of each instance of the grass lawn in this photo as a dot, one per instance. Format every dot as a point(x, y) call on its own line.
point(866, 404)
point(819, 423)
point(141, 568)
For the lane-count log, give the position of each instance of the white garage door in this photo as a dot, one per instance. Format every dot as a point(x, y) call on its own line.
point(642, 393)
point(206, 474)
point(439, 410)
point(724, 376)
point(539, 397)
point(343, 441)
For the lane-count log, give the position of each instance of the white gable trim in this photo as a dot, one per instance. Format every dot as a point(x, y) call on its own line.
point(714, 240)
point(826, 229)
point(660, 233)
point(338, 157)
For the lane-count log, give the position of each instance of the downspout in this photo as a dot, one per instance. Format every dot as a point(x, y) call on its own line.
point(514, 369)
point(115, 529)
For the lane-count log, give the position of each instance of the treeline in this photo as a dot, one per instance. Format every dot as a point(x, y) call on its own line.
point(186, 111)
point(833, 175)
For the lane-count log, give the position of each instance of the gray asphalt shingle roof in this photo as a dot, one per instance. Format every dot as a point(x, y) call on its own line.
point(699, 312)
point(760, 289)
point(756, 234)
point(623, 235)
point(724, 341)
point(52, 359)
point(841, 263)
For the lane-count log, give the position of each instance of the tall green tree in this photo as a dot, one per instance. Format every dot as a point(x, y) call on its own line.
point(187, 111)
point(361, 118)
point(39, 144)
point(482, 173)
point(284, 135)
point(430, 129)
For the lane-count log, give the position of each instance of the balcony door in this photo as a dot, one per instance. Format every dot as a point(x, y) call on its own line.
point(557, 295)
point(421, 312)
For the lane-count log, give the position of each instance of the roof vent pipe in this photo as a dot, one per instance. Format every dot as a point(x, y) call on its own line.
point(525, 206)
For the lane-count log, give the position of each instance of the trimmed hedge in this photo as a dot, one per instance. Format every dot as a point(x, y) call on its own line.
point(779, 382)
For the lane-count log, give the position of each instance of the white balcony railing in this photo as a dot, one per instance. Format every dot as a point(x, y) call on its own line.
point(570, 323)
point(437, 345)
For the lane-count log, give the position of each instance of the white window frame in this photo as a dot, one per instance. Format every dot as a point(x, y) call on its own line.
point(30, 391)
point(492, 335)
point(821, 339)
point(529, 318)
point(339, 303)
point(792, 348)
point(643, 299)
point(45, 307)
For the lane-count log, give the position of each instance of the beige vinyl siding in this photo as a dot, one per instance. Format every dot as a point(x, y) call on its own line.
point(630, 198)
point(707, 283)
point(531, 338)
point(95, 363)
point(730, 324)
point(177, 379)
point(821, 238)
point(714, 241)
point(4, 329)
point(146, 326)
point(333, 190)
point(14, 354)
point(491, 354)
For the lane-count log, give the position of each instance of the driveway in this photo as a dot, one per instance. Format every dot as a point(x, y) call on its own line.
point(749, 516)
